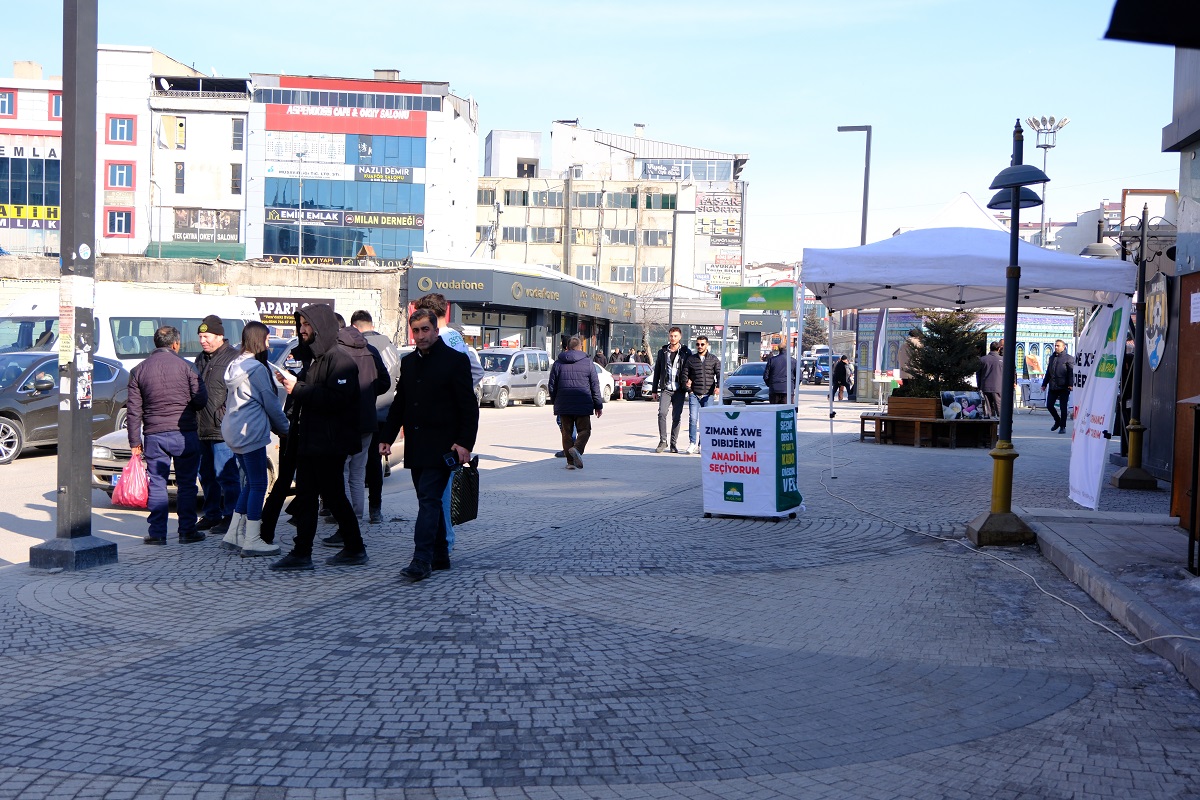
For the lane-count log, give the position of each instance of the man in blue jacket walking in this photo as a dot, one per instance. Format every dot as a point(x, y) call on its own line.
point(575, 391)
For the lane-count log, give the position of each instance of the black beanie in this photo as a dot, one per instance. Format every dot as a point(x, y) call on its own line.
point(212, 324)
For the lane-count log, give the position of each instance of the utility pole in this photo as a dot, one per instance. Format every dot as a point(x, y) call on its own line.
point(300, 212)
point(74, 547)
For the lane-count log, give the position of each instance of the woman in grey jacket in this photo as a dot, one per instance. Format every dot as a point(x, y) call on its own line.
point(252, 411)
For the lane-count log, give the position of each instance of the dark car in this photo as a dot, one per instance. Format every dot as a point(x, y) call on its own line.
point(29, 400)
point(745, 384)
point(637, 378)
point(821, 370)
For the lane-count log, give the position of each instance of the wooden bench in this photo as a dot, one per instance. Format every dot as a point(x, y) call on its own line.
point(917, 431)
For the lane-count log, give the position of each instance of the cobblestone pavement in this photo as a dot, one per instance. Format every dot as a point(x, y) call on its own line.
point(598, 637)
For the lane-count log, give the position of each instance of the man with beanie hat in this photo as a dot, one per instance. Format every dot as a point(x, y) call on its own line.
point(218, 468)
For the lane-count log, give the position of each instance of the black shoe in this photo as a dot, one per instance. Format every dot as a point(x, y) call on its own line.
point(345, 559)
point(154, 540)
point(1054, 427)
point(1062, 430)
point(293, 562)
point(674, 449)
point(661, 447)
point(207, 522)
point(376, 516)
point(333, 541)
point(560, 454)
point(221, 527)
point(441, 563)
point(191, 538)
point(416, 571)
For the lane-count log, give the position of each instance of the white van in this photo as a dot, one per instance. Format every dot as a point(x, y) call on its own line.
point(126, 319)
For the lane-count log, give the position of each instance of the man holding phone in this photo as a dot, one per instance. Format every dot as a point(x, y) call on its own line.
point(435, 404)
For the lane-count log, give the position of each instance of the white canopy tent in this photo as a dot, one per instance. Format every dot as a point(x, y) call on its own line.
point(957, 268)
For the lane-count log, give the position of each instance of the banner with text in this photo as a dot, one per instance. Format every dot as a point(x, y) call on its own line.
point(1094, 395)
point(749, 460)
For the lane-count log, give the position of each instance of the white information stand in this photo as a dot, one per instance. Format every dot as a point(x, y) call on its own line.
point(748, 458)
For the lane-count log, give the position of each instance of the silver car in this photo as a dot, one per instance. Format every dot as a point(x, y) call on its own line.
point(513, 374)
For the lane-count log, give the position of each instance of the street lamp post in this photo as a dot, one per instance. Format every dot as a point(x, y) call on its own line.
point(862, 238)
point(1047, 136)
point(300, 211)
point(1000, 526)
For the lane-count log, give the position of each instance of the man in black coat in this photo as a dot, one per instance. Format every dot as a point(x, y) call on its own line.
point(575, 392)
point(218, 468)
point(435, 404)
point(704, 388)
point(775, 375)
point(669, 387)
point(1060, 376)
point(990, 379)
point(326, 409)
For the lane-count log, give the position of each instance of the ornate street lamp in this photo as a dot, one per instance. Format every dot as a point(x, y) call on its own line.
point(1000, 526)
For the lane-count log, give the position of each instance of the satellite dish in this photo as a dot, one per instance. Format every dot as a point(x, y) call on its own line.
point(166, 87)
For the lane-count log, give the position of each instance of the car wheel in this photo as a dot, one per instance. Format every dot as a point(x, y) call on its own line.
point(119, 420)
point(539, 399)
point(501, 400)
point(727, 402)
point(12, 439)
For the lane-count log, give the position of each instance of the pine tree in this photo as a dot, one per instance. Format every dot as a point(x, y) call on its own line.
point(814, 330)
point(950, 343)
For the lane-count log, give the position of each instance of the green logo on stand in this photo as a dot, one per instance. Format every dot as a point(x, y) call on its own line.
point(733, 492)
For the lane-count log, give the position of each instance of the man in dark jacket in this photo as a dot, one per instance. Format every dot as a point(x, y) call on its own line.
point(990, 379)
point(575, 392)
point(390, 357)
point(326, 408)
point(600, 358)
point(704, 388)
point(164, 395)
point(1060, 376)
point(218, 469)
point(436, 406)
point(775, 375)
point(668, 387)
point(841, 377)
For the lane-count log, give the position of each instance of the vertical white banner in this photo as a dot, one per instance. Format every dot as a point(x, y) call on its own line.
point(1097, 372)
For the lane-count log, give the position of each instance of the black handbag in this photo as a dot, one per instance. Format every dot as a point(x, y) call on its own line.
point(464, 494)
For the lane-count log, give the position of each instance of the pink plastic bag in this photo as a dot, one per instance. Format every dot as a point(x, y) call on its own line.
point(133, 489)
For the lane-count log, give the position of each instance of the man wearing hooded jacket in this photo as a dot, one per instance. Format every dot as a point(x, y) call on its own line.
point(326, 411)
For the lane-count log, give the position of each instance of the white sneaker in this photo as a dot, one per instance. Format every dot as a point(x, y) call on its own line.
point(694, 449)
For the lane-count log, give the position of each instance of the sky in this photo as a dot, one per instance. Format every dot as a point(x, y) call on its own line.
point(941, 82)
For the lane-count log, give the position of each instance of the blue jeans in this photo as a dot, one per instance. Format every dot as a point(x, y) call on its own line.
point(253, 466)
point(160, 449)
point(429, 531)
point(219, 479)
point(694, 405)
point(446, 512)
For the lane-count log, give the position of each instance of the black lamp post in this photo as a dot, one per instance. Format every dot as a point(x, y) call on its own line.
point(1000, 526)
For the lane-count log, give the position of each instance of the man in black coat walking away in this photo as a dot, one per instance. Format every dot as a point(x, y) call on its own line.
point(1060, 376)
point(326, 410)
point(775, 375)
point(990, 379)
point(435, 404)
point(575, 392)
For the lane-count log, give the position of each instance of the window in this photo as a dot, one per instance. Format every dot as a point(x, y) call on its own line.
point(545, 235)
point(654, 274)
point(8, 104)
point(661, 201)
point(235, 178)
point(120, 130)
point(178, 177)
point(514, 234)
point(620, 236)
point(485, 197)
point(55, 105)
point(620, 200)
point(656, 238)
point(587, 272)
point(119, 175)
point(546, 199)
point(585, 236)
point(481, 232)
point(621, 274)
point(118, 222)
point(181, 133)
point(527, 167)
point(515, 197)
point(239, 134)
point(586, 199)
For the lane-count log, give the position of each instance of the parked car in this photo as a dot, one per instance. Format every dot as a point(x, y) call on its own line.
point(821, 370)
point(513, 374)
point(746, 385)
point(607, 382)
point(29, 400)
point(636, 378)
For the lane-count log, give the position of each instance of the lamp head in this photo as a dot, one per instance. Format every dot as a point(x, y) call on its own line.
point(1002, 200)
point(1019, 175)
point(1099, 250)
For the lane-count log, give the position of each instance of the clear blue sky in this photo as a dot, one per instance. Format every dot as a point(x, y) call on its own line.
point(941, 81)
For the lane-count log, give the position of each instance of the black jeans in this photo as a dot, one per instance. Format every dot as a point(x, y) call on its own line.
point(1060, 397)
point(278, 495)
point(374, 474)
point(322, 477)
point(429, 531)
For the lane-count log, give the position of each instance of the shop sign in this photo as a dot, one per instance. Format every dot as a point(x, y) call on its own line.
point(376, 219)
point(282, 310)
point(520, 292)
point(378, 173)
point(662, 171)
point(724, 241)
point(330, 261)
point(308, 170)
point(763, 323)
point(768, 298)
point(8, 211)
point(24, 150)
point(311, 216)
point(723, 203)
point(206, 225)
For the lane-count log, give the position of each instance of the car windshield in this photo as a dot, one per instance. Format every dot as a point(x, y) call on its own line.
point(13, 366)
point(495, 362)
point(752, 368)
point(277, 349)
point(623, 368)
